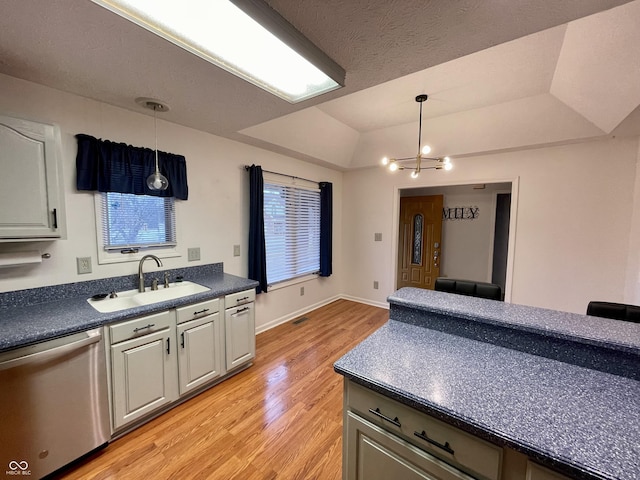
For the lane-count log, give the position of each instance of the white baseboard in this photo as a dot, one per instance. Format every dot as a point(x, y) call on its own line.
point(384, 305)
point(297, 313)
point(290, 316)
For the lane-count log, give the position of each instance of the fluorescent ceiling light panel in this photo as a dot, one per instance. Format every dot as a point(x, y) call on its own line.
point(223, 34)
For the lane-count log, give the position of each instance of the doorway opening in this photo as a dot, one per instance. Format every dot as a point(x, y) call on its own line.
point(477, 235)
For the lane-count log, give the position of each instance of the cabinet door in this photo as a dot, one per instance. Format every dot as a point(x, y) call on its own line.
point(30, 181)
point(536, 472)
point(144, 375)
point(371, 453)
point(199, 352)
point(240, 333)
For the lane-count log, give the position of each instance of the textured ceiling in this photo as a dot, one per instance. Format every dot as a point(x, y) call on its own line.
point(79, 47)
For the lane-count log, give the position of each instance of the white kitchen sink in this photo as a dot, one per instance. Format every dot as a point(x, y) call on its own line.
point(133, 298)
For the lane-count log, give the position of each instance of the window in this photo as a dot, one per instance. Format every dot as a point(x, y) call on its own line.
point(292, 231)
point(137, 221)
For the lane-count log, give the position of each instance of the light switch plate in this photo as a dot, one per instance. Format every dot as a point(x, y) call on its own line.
point(375, 285)
point(236, 250)
point(377, 237)
point(193, 254)
point(83, 264)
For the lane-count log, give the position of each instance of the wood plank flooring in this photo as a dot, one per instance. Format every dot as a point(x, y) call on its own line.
point(279, 419)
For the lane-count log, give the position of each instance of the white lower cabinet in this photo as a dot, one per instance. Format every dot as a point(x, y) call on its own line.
point(201, 346)
point(157, 359)
point(143, 369)
point(240, 328)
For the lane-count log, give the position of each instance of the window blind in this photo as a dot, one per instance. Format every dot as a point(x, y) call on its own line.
point(292, 231)
point(137, 221)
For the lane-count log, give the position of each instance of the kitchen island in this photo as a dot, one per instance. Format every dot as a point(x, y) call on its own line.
point(558, 389)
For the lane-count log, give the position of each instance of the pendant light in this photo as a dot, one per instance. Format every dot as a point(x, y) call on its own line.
point(438, 163)
point(155, 181)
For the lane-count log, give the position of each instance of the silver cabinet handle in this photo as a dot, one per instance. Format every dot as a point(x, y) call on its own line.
point(136, 330)
point(239, 311)
point(53, 353)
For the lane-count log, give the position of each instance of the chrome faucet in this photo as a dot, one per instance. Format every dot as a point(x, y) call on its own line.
point(141, 275)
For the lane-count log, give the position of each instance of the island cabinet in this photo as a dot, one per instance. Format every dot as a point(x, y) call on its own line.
point(143, 366)
point(201, 344)
point(385, 439)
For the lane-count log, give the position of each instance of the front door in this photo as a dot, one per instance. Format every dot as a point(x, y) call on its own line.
point(419, 241)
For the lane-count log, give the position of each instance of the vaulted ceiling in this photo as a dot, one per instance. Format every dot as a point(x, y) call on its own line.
point(500, 74)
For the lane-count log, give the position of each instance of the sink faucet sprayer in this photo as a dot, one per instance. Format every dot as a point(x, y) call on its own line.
point(141, 275)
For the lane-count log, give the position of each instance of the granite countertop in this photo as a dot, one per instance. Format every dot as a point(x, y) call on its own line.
point(581, 421)
point(36, 315)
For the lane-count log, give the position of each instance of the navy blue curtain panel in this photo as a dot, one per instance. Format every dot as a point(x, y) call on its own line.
point(105, 166)
point(257, 248)
point(326, 229)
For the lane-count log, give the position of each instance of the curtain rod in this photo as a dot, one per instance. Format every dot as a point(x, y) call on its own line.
point(246, 167)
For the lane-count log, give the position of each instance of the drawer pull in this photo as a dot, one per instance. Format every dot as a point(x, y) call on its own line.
point(136, 330)
point(239, 311)
point(242, 299)
point(423, 436)
point(201, 311)
point(395, 421)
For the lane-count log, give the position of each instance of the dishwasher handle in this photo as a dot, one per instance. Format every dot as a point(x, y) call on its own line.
point(46, 355)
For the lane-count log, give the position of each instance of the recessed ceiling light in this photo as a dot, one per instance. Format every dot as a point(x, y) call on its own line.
point(251, 47)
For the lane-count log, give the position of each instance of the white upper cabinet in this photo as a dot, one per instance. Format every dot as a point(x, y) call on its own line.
point(31, 192)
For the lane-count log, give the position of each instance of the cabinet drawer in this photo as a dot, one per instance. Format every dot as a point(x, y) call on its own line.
point(198, 310)
point(239, 298)
point(139, 326)
point(432, 435)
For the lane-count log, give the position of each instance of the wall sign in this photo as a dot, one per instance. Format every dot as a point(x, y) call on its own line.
point(460, 213)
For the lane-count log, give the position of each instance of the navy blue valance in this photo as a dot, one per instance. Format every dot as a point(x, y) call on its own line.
point(105, 166)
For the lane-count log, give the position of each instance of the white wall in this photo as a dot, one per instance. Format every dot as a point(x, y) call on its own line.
point(214, 218)
point(574, 221)
point(467, 247)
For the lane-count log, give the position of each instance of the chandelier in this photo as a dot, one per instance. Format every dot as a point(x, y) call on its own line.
point(435, 163)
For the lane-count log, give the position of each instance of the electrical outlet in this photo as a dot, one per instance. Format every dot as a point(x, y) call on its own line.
point(377, 237)
point(83, 264)
point(375, 284)
point(301, 291)
point(193, 254)
point(236, 250)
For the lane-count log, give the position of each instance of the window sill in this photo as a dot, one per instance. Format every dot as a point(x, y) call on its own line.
point(294, 281)
point(105, 258)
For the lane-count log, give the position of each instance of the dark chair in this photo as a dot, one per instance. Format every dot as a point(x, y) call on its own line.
point(617, 311)
point(469, 288)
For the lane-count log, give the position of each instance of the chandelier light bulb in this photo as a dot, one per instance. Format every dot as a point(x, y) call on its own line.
point(393, 166)
point(426, 150)
point(448, 166)
point(447, 160)
point(385, 161)
point(414, 174)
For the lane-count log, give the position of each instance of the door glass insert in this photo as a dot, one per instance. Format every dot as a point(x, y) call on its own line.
point(416, 257)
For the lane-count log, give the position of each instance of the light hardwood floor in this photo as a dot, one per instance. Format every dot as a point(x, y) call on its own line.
point(279, 419)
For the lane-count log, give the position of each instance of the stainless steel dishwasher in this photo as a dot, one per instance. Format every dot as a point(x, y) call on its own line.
point(53, 403)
